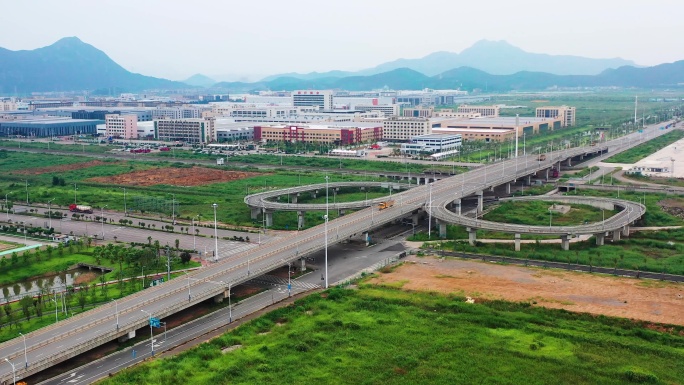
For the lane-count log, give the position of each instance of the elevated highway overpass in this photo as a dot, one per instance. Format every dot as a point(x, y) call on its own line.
point(51, 345)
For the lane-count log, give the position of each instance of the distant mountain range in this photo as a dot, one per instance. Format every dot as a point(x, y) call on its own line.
point(495, 57)
point(199, 80)
point(661, 76)
point(70, 65)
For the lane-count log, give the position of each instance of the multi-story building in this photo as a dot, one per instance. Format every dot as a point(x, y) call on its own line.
point(194, 131)
point(387, 109)
point(402, 129)
point(121, 126)
point(334, 134)
point(243, 110)
point(7, 105)
point(184, 112)
point(320, 98)
point(564, 113)
point(487, 111)
point(431, 144)
point(418, 112)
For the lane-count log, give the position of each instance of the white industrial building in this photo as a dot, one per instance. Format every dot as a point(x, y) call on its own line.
point(432, 144)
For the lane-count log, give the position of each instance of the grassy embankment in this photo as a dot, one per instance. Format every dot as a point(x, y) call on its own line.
point(385, 335)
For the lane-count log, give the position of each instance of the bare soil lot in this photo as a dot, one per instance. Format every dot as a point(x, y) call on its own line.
point(194, 176)
point(62, 168)
point(644, 300)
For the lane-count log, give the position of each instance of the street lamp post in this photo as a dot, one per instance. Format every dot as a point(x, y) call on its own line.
point(215, 234)
point(75, 194)
point(194, 244)
point(189, 294)
point(173, 209)
point(326, 231)
point(230, 307)
point(102, 219)
point(289, 280)
point(25, 351)
point(151, 342)
point(430, 213)
point(116, 310)
point(14, 373)
point(550, 217)
point(50, 212)
point(125, 210)
point(7, 206)
point(27, 194)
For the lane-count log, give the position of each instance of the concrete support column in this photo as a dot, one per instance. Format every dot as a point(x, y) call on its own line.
point(472, 235)
point(313, 194)
point(508, 189)
point(616, 235)
point(303, 263)
point(480, 201)
point(255, 211)
point(457, 206)
point(565, 242)
point(293, 198)
point(625, 231)
point(269, 218)
point(300, 219)
point(416, 218)
point(547, 173)
point(340, 212)
point(600, 239)
point(569, 162)
point(366, 237)
point(442, 229)
point(528, 180)
point(517, 242)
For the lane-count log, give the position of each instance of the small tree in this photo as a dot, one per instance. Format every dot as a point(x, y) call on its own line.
point(185, 257)
point(26, 302)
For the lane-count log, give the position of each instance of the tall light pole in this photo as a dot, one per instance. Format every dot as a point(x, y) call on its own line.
point(151, 342)
point(116, 310)
point(173, 209)
point(14, 373)
point(50, 212)
point(194, 244)
point(6, 206)
point(326, 230)
point(189, 294)
point(289, 279)
point(430, 213)
point(25, 354)
point(230, 307)
point(75, 194)
point(125, 210)
point(102, 219)
point(215, 234)
point(27, 194)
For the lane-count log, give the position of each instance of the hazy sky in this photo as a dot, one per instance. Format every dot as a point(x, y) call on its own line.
point(175, 39)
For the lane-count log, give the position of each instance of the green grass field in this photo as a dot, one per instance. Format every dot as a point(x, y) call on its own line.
point(641, 151)
point(381, 335)
point(536, 213)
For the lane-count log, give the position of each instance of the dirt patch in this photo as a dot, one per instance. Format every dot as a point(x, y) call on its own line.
point(673, 207)
point(573, 291)
point(8, 246)
point(85, 278)
point(62, 168)
point(193, 176)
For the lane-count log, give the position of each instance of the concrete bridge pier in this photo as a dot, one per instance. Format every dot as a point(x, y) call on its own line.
point(300, 219)
point(527, 180)
point(600, 239)
point(517, 242)
point(472, 235)
point(303, 260)
point(442, 229)
point(415, 218)
point(480, 201)
point(340, 212)
point(625, 231)
point(313, 194)
point(293, 197)
point(565, 242)
point(508, 188)
point(569, 162)
point(457, 206)
point(127, 336)
point(269, 218)
point(616, 234)
point(255, 211)
point(547, 174)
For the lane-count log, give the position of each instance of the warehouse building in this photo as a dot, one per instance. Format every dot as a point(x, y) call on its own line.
point(48, 127)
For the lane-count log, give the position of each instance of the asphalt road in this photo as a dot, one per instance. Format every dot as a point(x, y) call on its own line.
point(344, 260)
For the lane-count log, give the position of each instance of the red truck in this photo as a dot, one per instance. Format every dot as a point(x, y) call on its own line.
point(164, 148)
point(80, 209)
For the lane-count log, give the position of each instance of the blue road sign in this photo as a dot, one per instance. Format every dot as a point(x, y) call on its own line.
point(155, 322)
